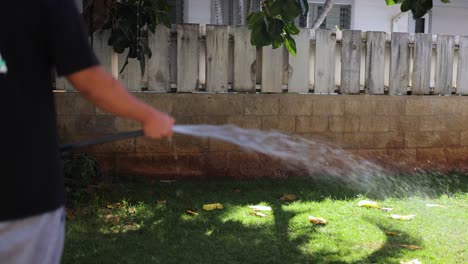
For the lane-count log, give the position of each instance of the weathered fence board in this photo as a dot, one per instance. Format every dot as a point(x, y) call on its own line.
point(217, 58)
point(462, 76)
point(399, 64)
point(375, 63)
point(245, 55)
point(272, 70)
point(187, 57)
point(159, 78)
point(131, 75)
point(298, 71)
point(325, 61)
point(350, 61)
point(444, 66)
point(422, 64)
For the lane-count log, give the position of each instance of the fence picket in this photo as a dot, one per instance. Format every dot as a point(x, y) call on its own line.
point(325, 61)
point(375, 63)
point(399, 64)
point(217, 58)
point(444, 66)
point(462, 80)
point(159, 78)
point(272, 70)
point(298, 72)
point(187, 57)
point(350, 61)
point(245, 56)
point(422, 64)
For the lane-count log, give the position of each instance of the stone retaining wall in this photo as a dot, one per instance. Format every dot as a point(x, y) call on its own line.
point(403, 132)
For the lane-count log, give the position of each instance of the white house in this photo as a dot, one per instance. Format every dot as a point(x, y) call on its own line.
point(365, 15)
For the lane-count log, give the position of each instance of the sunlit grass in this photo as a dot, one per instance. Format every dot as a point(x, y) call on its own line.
point(133, 225)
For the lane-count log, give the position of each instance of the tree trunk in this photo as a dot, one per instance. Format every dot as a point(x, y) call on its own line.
point(241, 12)
point(323, 14)
point(219, 12)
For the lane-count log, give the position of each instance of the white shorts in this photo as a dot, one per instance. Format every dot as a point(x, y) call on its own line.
point(38, 239)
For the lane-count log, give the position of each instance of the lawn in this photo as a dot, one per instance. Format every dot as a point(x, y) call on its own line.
point(140, 221)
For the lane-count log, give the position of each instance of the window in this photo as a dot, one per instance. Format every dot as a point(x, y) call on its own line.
point(339, 15)
point(230, 10)
point(176, 14)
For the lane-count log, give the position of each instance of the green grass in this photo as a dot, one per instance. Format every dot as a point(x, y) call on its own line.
point(123, 223)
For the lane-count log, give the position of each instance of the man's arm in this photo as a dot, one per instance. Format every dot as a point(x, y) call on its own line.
point(107, 93)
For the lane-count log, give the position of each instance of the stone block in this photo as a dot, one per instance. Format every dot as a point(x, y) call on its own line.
point(242, 165)
point(404, 123)
point(390, 107)
point(456, 122)
point(344, 124)
point(432, 139)
point(189, 105)
point(125, 124)
point(445, 105)
point(105, 124)
point(209, 120)
point(375, 123)
point(148, 145)
point(323, 106)
point(419, 107)
point(433, 123)
point(64, 103)
point(161, 101)
point(433, 158)
point(119, 146)
point(389, 140)
point(249, 122)
point(365, 106)
point(262, 105)
point(286, 124)
point(82, 106)
point(85, 124)
point(183, 143)
point(218, 146)
point(464, 138)
point(225, 104)
point(296, 105)
point(306, 124)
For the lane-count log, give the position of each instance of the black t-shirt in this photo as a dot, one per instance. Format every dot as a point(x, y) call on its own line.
point(35, 37)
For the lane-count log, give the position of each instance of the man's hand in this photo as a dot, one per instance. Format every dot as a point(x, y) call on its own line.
point(158, 124)
point(107, 93)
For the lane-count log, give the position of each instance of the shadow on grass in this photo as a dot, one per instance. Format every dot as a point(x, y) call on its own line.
point(166, 234)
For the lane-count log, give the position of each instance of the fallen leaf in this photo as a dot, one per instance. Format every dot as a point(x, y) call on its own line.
point(132, 210)
point(71, 215)
point(386, 209)
point(413, 261)
point(192, 212)
point(236, 190)
point(288, 197)
point(209, 207)
point(161, 202)
point(369, 204)
point(402, 217)
point(390, 233)
point(434, 205)
point(167, 181)
point(412, 247)
point(317, 220)
point(260, 208)
point(114, 205)
point(259, 214)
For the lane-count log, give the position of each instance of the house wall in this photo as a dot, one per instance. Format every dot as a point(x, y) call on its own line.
point(197, 11)
point(400, 132)
point(450, 18)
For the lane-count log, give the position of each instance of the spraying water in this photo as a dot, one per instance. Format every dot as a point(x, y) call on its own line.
point(314, 157)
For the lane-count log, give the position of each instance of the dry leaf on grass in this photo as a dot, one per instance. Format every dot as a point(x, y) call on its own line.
point(386, 209)
point(209, 207)
point(259, 214)
point(390, 233)
point(190, 212)
point(402, 217)
point(71, 214)
point(161, 202)
point(132, 210)
point(412, 247)
point(434, 205)
point(413, 261)
point(114, 205)
point(288, 197)
point(260, 208)
point(236, 190)
point(317, 220)
point(368, 203)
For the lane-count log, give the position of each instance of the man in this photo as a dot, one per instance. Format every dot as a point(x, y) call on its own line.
point(36, 36)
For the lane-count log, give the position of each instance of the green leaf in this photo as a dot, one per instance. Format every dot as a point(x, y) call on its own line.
point(255, 18)
point(445, 1)
point(406, 6)
point(290, 44)
point(275, 29)
point(291, 10)
point(291, 29)
point(259, 36)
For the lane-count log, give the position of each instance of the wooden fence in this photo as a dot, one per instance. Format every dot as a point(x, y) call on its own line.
point(213, 58)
